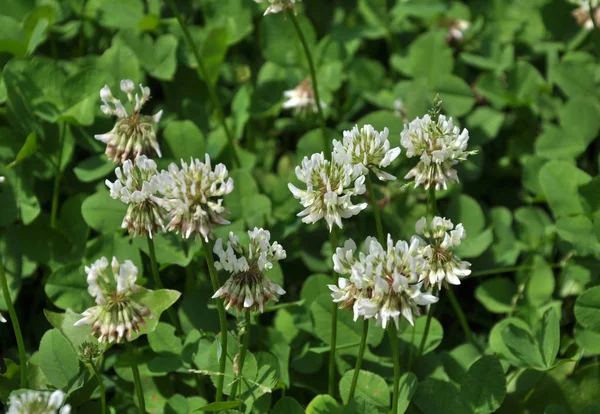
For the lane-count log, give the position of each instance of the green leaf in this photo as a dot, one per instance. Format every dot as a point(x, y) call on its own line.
point(428, 56)
point(314, 286)
point(496, 294)
point(466, 210)
point(164, 340)
point(65, 323)
point(287, 405)
point(484, 387)
point(182, 140)
point(406, 391)
point(220, 406)
point(587, 309)
point(369, 386)
point(434, 337)
point(58, 360)
point(158, 301)
point(279, 40)
point(456, 94)
point(93, 168)
point(522, 345)
point(29, 147)
point(213, 51)
point(235, 15)
point(549, 337)
point(101, 212)
point(434, 396)
point(119, 14)
point(323, 404)
point(67, 288)
point(579, 231)
point(560, 182)
point(348, 331)
point(540, 283)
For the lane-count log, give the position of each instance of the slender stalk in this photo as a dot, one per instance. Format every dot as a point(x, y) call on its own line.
point(396, 356)
point(57, 177)
point(204, 75)
point(16, 327)
point(313, 76)
point(361, 352)
point(431, 207)
point(462, 318)
point(136, 378)
point(159, 284)
point(101, 385)
point(376, 211)
point(333, 340)
point(240, 364)
point(426, 332)
point(208, 254)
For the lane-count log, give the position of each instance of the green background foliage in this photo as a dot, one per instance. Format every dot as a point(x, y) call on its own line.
point(523, 81)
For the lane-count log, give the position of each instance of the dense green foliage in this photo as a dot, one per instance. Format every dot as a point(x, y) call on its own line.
point(523, 81)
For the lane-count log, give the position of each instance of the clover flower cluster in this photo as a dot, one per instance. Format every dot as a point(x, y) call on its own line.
point(456, 30)
point(189, 197)
point(440, 145)
point(133, 133)
point(137, 186)
point(386, 283)
point(383, 282)
point(368, 148)
point(583, 13)
point(117, 314)
point(192, 196)
point(302, 97)
point(277, 6)
point(440, 237)
point(38, 402)
point(330, 186)
point(247, 288)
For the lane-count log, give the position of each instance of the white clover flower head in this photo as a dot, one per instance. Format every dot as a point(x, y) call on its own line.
point(192, 196)
point(137, 186)
point(301, 98)
point(2, 179)
point(368, 148)
point(456, 30)
point(440, 145)
point(247, 288)
point(583, 14)
point(330, 186)
point(38, 402)
point(277, 6)
point(382, 282)
point(2, 319)
point(133, 134)
point(440, 237)
point(117, 314)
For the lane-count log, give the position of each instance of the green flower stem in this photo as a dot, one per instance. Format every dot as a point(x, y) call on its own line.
point(462, 318)
point(136, 378)
point(431, 207)
point(240, 364)
point(376, 211)
point(426, 332)
point(333, 340)
point(361, 352)
point(57, 177)
point(102, 387)
point(431, 212)
point(159, 284)
point(313, 76)
point(208, 254)
point(16, 327)
point(203, 75)
point(396, 355)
